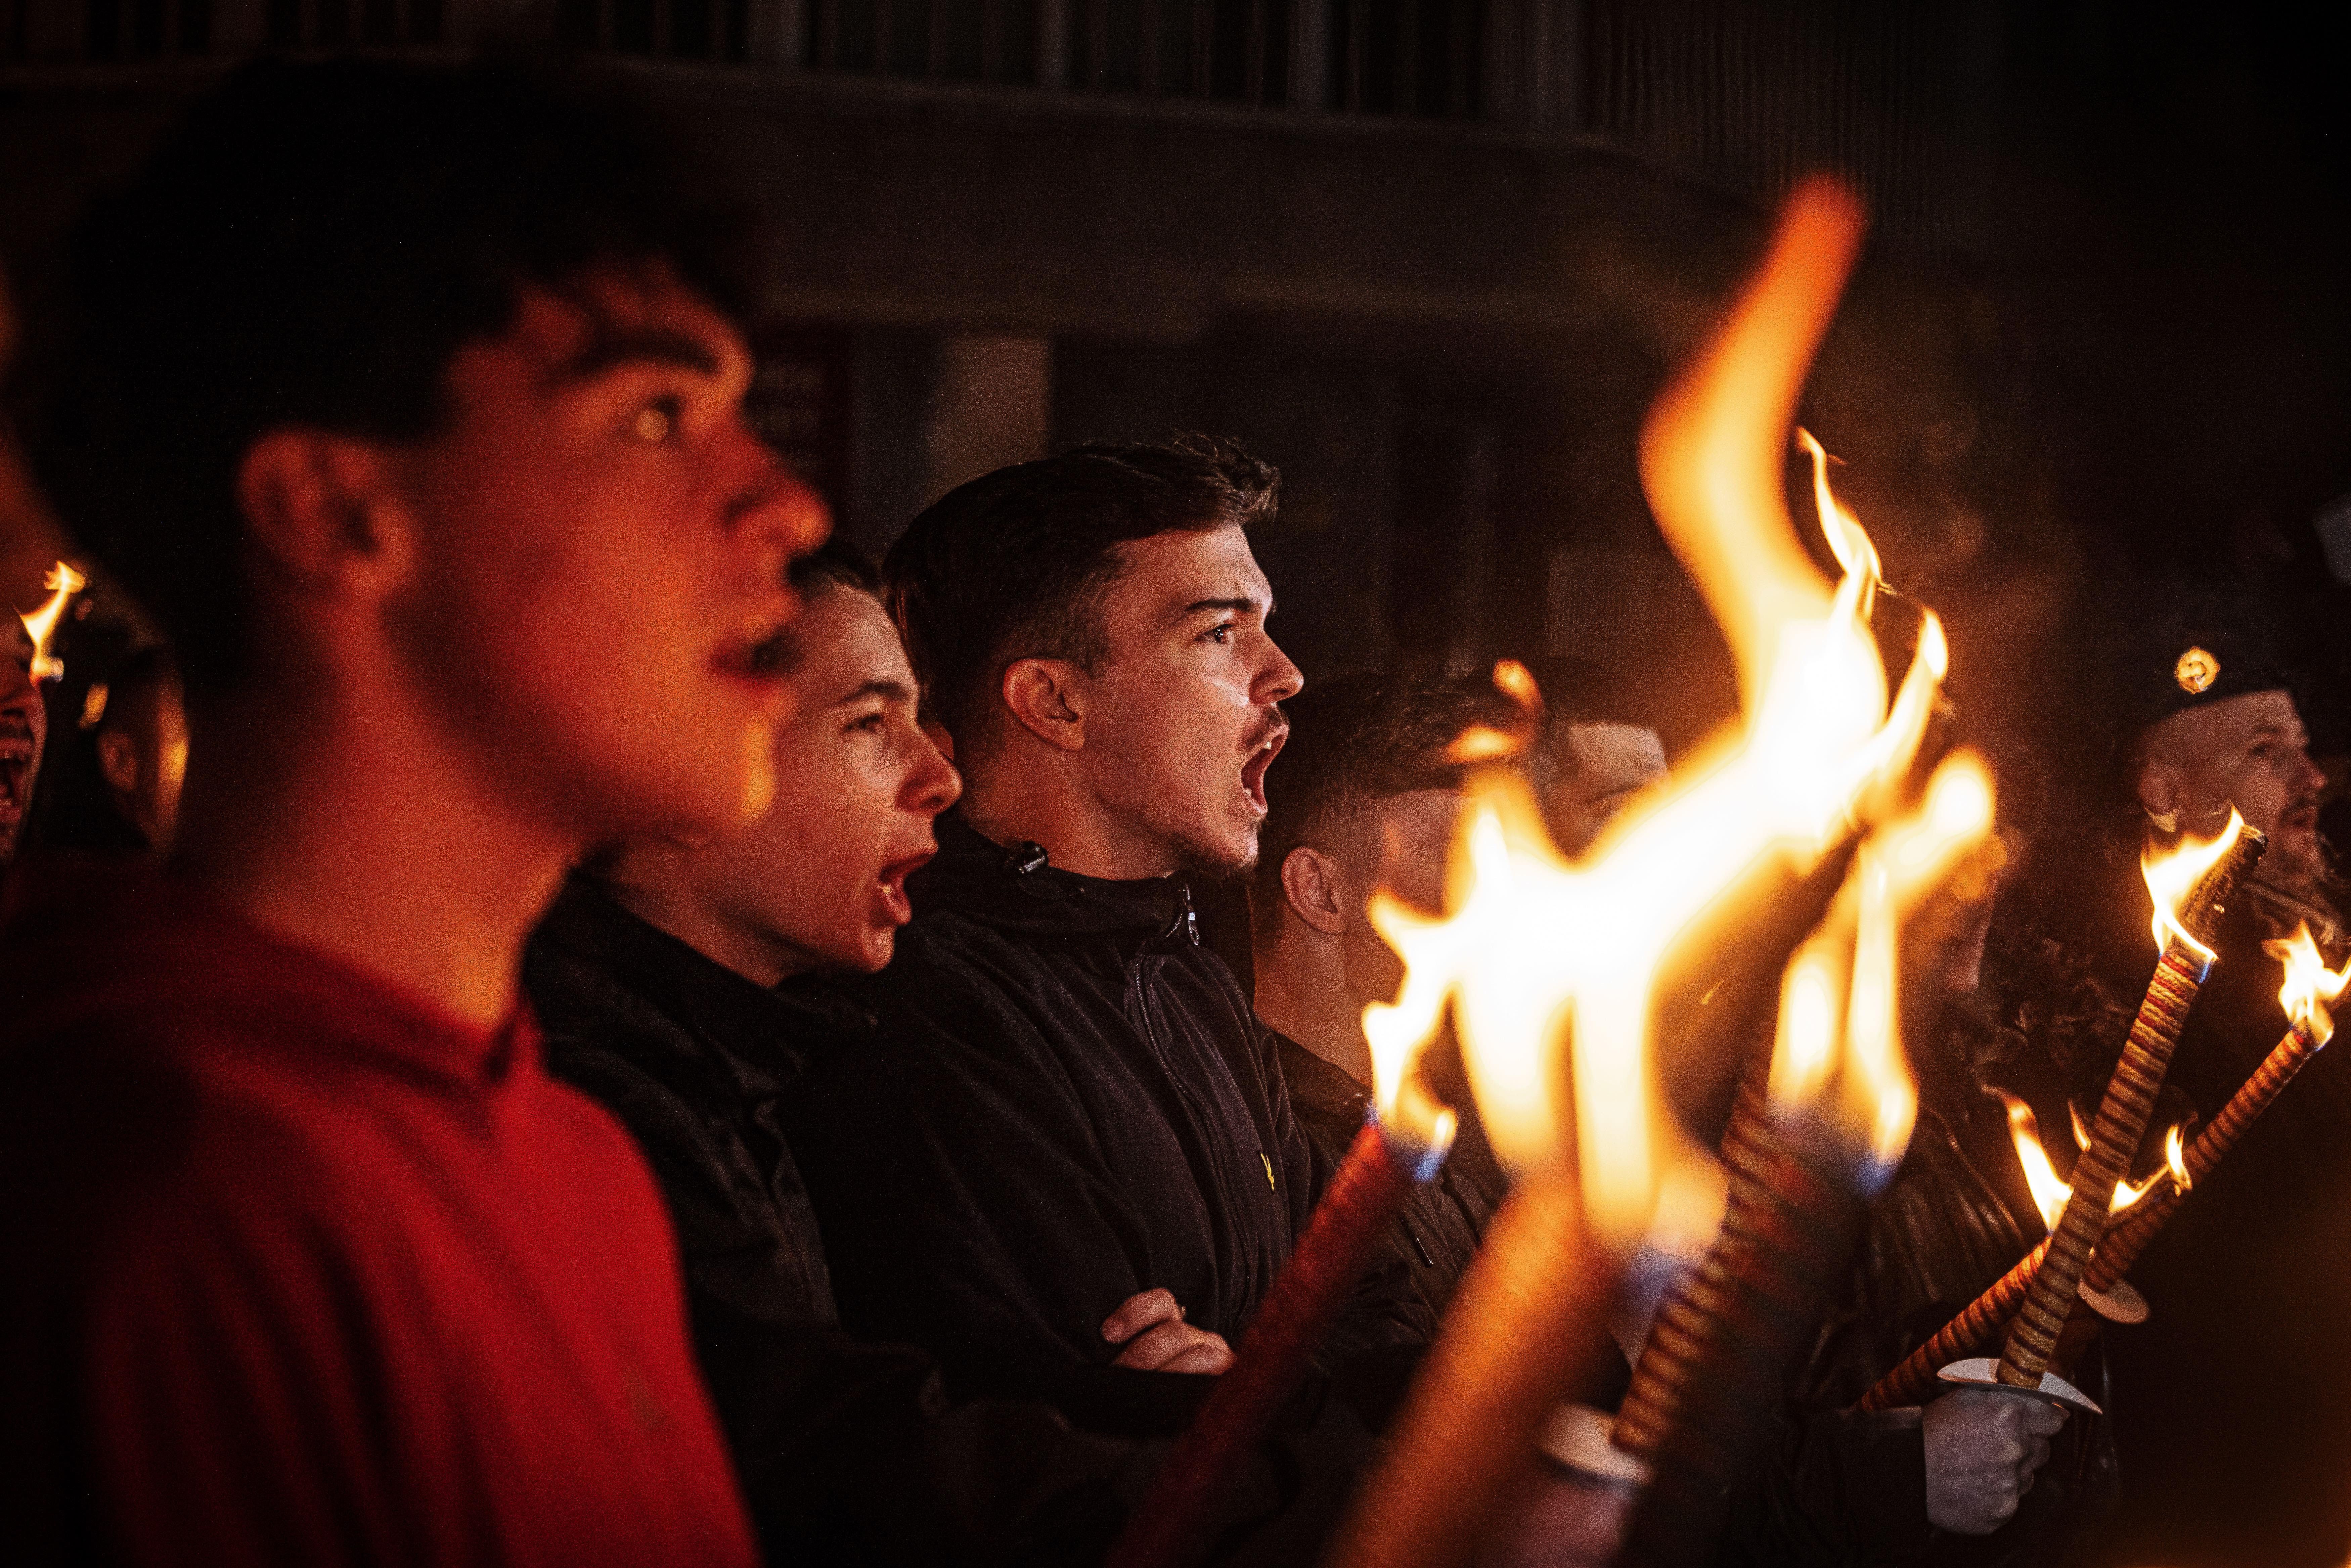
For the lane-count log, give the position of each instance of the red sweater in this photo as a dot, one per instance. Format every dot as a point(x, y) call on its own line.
point(295, 1269)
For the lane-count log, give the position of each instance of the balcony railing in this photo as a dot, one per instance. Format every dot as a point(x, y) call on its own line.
point(1737, 93)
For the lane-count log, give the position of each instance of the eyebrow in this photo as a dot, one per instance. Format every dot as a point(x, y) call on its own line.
point(889, 690)
point(611, 350)
point(1232, 606)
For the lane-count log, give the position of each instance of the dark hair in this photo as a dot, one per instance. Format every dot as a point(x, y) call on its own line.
point(836, 563)
point(135, 689)
point(1353, 742)
point(312, 245)
point(1013, 565)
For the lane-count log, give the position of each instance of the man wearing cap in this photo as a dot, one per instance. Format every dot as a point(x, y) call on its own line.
point(2230, 1402)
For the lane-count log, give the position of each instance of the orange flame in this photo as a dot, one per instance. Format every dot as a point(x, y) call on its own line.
point(1844, 982)
point(62, 582)
point(2309, 984)
point(2049, 1194)
point(1549, 966)
point(2171, 878)
point(2175, 1157)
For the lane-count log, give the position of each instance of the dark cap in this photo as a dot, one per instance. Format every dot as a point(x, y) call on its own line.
point(2193, 648)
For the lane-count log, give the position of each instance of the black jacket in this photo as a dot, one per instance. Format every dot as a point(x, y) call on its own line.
point(849, 1452)
point(1066, 1100)
point(1437, 1233)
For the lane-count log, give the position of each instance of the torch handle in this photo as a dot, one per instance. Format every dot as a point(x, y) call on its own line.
point(2122, 1121)
point(1671, 1355)
point(1916, 1379)
point(2114, 1139)
point(1788, 1235)
point(2127, 1240)
point(1177, 1518)
point(1527, 1323)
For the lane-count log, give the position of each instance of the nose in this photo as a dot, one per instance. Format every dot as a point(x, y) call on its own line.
point(1279, 680)
point(775, 515)
point(2309, 777)
point(932, 783)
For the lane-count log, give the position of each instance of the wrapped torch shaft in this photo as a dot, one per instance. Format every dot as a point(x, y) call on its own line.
point(1717, 1356)
point(2127, 1240)
point(1528, 1326)
point(1916, 1378)
point(2121, 1121)
point(1171, 1528)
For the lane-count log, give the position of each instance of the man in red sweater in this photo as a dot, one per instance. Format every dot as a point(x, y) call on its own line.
point(408, 401)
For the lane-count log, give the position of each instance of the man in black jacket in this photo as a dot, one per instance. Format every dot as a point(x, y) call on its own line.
point(682, 987)
point(1066, 1100)
point(1368, 799)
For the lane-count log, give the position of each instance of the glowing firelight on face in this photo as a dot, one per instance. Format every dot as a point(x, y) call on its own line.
point(62, 582)
point(1550, 966)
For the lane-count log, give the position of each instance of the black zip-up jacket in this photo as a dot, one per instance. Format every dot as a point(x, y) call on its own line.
point(1437, 1235)
point(1066, 1100)
point(849, 1452)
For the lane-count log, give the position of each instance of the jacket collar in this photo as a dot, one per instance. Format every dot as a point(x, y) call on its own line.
point(1017, 888)
point(746, 1020)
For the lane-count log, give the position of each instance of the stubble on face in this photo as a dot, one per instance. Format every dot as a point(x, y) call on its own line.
point(1185, 717)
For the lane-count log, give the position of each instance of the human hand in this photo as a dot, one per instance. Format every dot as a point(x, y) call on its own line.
point(1151, 1327)
point(1983, 1449)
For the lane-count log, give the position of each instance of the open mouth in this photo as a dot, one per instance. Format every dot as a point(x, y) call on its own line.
point(892, 883)
point(1253, 770)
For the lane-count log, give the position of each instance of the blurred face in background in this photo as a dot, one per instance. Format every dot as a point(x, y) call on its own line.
point(1595, 770)
point(2248, 751)
point(142, 754)
point(24, 728)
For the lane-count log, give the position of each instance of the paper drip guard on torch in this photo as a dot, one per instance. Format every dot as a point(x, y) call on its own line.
point(2032, 1339)
point(1172, 1526)
point(2309, 987)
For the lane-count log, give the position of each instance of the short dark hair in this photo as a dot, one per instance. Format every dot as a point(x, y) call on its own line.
point(836, 563)
point(312, 245)
point(1013, 565)
point(1353, 742)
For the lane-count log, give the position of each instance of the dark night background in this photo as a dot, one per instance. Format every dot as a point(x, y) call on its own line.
point(1434, 257)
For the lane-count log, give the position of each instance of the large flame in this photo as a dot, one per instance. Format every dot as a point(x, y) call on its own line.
point(2050, 1194)
point(2309, 984)
point(2171, 878)
point(62, 582)
point(1549, 966)
point(1844, 982)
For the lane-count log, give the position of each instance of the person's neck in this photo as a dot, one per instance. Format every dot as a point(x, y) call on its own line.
point(1302, 991)
point(353, 827)
point(1009, 800)
point(675, 908)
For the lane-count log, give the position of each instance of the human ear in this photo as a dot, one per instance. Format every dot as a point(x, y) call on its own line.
point(1043, 696)
point(324, 512)
point(2163, 791)
point(1310, 886)
point(118, 761)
